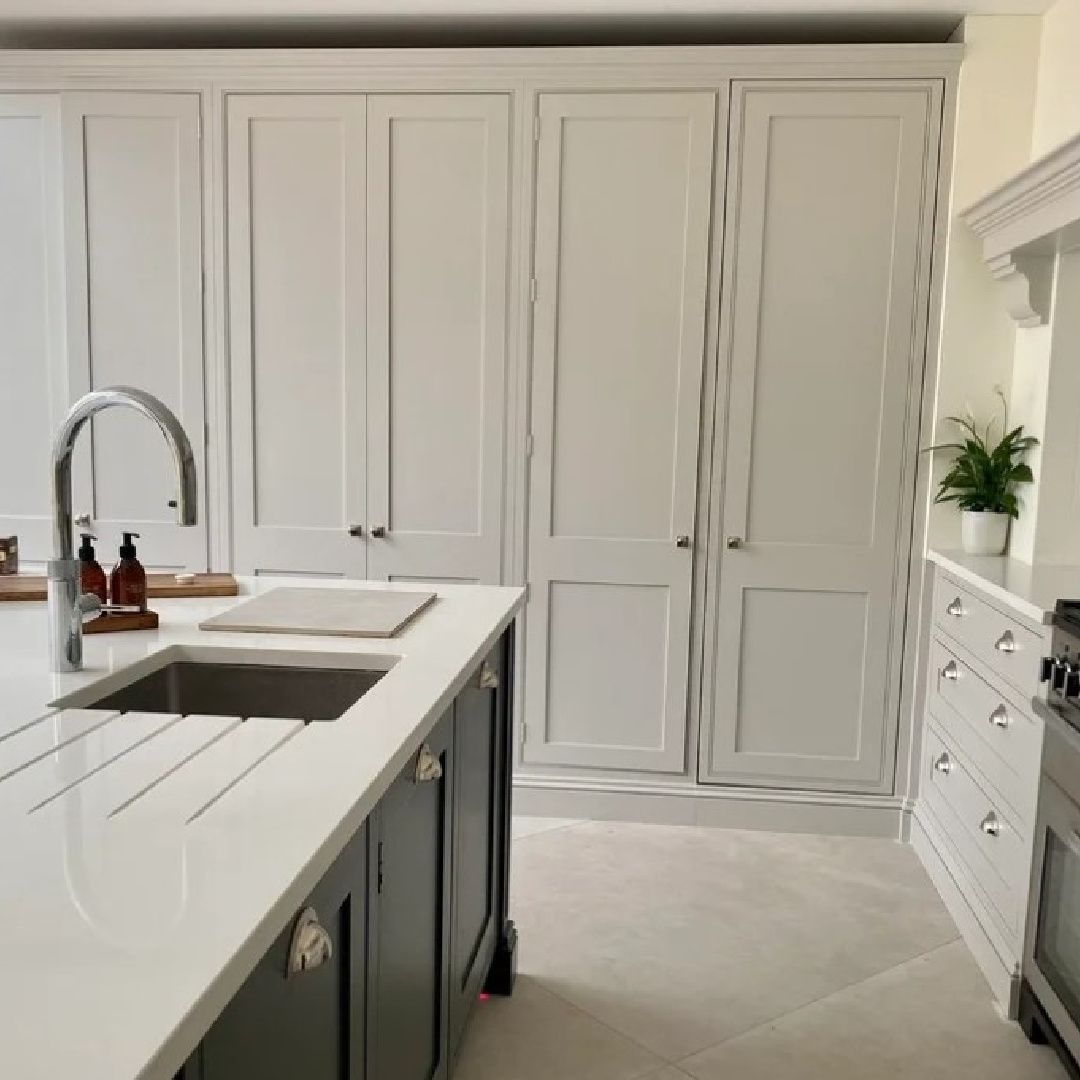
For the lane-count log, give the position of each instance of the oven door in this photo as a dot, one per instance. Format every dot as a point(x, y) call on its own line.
point(1052, 963)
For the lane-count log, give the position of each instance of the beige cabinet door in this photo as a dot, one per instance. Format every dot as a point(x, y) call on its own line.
point(824, 310)
point(438, 191)
point(132, 168)
point(33, 377)
point(296, 238)
point(622, 234)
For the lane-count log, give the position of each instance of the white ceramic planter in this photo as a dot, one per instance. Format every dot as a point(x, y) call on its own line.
point(983, 532)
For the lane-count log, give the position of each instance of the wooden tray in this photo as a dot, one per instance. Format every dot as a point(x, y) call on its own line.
point(109, 624)
point(32, 586)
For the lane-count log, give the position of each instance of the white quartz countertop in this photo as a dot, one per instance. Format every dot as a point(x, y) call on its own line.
point(1031, 589)
point(149, 861)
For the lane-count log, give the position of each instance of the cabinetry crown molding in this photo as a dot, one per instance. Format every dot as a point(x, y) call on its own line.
point(1024, 223)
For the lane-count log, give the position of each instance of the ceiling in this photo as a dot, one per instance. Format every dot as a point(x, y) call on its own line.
point(206, 23)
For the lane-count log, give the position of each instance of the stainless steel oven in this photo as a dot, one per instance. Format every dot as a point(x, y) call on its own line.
point(1050, 993)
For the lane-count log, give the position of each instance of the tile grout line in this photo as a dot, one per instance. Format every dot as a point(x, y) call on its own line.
point(816, 1001)
point(614, 1030)
point(546, 832)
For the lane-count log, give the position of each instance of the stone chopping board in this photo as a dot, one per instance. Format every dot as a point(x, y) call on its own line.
point(367, 613)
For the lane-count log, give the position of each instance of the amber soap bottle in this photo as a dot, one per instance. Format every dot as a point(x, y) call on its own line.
point(128, 581)
point(92, 577)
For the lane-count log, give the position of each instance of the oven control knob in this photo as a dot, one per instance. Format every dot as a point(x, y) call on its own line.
point(1072, 681)
point(1057, 675)
point(1046, 668)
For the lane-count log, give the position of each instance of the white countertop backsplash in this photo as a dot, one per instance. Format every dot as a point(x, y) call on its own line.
point(1031, 589)
point(124, 936)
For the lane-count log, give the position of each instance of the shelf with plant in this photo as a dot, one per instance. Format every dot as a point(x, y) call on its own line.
point(983, 479)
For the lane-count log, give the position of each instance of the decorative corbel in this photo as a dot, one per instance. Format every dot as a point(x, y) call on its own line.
point(1027, 284)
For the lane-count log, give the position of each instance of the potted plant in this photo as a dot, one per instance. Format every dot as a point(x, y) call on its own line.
point(983, 478)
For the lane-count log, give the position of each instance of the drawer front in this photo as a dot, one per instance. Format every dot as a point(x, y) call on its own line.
point(1004, 644)
point(1003, 740)
point(997, 853)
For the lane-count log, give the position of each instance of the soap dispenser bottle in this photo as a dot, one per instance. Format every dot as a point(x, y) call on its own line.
point(128, 576)
point(92, 577)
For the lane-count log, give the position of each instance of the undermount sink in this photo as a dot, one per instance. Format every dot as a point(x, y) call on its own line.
point(187, 684)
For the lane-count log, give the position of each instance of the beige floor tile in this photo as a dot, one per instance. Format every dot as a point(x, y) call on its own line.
point(680, 938)
point(535, 1036)
point(533, 826)
point(928, 1019)
point(669, 1072)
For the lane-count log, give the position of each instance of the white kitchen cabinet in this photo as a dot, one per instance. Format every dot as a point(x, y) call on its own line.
point(624, 185)
point(296, 235)
point(32, 390)
point(823, 318)
point(132, 176)
point(438, 194)
point(367, 274)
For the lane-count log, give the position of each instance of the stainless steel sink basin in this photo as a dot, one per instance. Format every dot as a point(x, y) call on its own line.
point(223, 687)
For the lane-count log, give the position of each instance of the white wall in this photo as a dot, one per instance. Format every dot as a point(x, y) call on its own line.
point(1056, 119)
point(995, 108)
point(1057, 106)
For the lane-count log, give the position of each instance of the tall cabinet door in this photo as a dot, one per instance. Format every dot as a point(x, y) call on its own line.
point(33, 394)
point(133, 252)
point(622, 235)
point(295, 204)
point(826, 284)
point(438, 176)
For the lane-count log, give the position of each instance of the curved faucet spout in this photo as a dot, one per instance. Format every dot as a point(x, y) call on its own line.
point(65, 628)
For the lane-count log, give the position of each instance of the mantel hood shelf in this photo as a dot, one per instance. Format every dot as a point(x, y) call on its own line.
point(1025, 223)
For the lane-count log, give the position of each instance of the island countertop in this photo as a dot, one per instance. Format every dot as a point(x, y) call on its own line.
point(141, 882)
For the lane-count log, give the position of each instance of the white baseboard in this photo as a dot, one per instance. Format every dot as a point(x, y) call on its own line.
point(731, 808)
point(1000, 973)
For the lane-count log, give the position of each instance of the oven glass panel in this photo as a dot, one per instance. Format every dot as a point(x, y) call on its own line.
point(1057, 942)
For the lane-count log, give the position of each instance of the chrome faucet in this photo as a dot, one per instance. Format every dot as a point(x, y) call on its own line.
point(67, 607)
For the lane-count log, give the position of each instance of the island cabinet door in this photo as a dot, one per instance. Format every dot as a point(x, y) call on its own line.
point(477, 834)
point(308, 1024)
point(410, 845)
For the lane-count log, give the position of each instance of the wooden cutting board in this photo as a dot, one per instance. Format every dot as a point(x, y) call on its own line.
point(32, 586)
point(325, 612)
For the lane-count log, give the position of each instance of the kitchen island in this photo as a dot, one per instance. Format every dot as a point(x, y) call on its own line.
point(206, 897)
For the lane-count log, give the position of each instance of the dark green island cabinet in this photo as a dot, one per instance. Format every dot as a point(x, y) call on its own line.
point(376, 974)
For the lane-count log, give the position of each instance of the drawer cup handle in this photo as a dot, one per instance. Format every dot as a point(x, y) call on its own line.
point(951, 671)
point(1006, 643)
point(1000, 717)
point(944, 764)
point(428, 766)
point(990, 824)
point(311, 946)
point(487, 678)
point(956, 608)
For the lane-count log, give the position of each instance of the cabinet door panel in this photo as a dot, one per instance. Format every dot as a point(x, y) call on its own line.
point(475, 848)
point(133, 222)
point(33, 393)
point(622, 233)
point(830, 213)
point(310, 1024)
point(411, 910)
point(296, 197)
point(437, 255)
